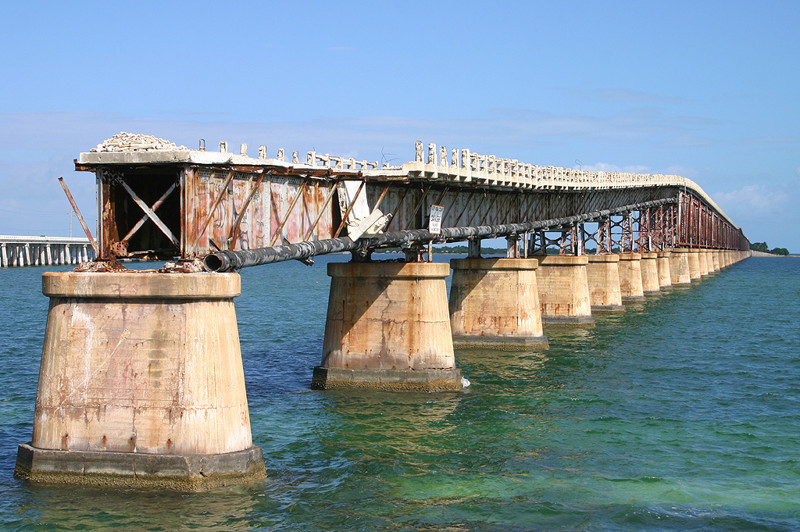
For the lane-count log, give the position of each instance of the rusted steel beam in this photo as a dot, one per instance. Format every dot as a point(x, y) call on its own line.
point(380, 198)
point(289, 211)
point(214, 205)
point(349, 208)
point(222, 261)
point(79, 215)
point(237, 223)
point(406, 190)
point(321, 210)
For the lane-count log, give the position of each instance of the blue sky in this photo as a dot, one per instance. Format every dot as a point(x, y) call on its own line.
point(707, 90)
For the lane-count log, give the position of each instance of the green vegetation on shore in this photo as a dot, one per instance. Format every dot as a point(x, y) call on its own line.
point(762, 246)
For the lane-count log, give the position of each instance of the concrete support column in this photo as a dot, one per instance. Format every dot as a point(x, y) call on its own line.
point(602, 274)
point(564, 290)
point(715, 266)
point(28, 254)
point(388, 327)
point(3, 255)
point(630, 277)
point(694, 265)
point(649, 267)
point(141, 384)
point(495, 303)
point(679, 266)
point(702, 257)
point(664, 270)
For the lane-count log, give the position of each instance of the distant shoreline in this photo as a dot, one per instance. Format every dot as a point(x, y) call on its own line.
point(763, 254)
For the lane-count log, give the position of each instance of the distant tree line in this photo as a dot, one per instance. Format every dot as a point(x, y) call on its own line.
point(762, 246)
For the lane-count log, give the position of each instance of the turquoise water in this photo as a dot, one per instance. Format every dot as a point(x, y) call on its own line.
point(682, 413)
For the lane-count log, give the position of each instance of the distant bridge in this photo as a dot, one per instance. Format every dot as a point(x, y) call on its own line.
point(43, 251)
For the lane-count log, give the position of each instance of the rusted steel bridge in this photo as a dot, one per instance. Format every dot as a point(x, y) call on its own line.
point(142, 382)
point(234, 210)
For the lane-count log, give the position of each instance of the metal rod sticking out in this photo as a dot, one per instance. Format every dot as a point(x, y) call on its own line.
point(80, 216)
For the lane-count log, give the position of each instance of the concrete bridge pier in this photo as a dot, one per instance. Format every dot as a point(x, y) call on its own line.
point(494, 303)
point(649, 267)
point(602, 274)
point(141, 384)
point(679, 267)
point(694, 265)
point(715, 266)
point(388, 327)
point(664, 270)
point(564, 290)
point(630, 277)
point(703, 258)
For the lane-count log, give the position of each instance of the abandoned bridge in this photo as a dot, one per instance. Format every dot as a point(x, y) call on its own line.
point(141, 381)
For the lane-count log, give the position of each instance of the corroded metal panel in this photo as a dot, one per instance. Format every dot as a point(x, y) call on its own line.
point(280, 209)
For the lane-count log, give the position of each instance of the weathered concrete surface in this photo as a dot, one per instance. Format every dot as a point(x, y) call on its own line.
point(664, 270)
point(649, 268)
point(387, 322)
point(564, 290)
point(141, 363)
point(602, 274)
point(679, 267)
point(715, 265)
point(494, 303)
point(630, 277)
point(694, 265)
point(702, 257)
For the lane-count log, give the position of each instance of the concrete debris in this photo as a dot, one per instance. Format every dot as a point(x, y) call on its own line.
point(137, 142)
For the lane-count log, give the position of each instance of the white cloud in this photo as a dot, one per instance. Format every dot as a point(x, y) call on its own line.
point(758, 198)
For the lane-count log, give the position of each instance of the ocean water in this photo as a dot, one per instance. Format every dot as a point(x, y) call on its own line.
point(681, 413)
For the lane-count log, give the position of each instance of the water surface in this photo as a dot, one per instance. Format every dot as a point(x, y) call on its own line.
point(681, 413)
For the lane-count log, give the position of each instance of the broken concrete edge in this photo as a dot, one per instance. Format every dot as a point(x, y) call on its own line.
point(428, 380)
point(501, 343)
point(181, 473)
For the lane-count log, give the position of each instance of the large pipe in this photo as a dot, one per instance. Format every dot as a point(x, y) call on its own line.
point(226, 261)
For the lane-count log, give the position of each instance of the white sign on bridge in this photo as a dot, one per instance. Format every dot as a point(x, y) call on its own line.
point(435, 219)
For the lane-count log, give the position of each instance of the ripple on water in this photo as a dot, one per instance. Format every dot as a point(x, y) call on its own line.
point(680, 413)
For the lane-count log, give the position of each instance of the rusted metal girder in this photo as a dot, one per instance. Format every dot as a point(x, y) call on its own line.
point(223, 261)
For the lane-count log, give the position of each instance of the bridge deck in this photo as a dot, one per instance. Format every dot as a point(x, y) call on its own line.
point(175, 202)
